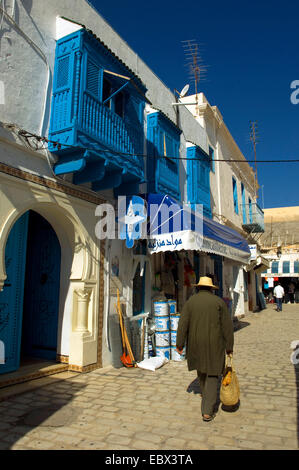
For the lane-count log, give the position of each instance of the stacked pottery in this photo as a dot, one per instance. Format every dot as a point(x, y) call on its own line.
point(162, 331)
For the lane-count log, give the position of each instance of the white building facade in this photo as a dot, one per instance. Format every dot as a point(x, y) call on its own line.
point(61, 84)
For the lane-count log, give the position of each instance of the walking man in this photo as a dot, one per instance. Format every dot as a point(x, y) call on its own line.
point(206, 327)
point(279, 294)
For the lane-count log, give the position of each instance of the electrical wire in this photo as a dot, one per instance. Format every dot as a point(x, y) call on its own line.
point(59, 145)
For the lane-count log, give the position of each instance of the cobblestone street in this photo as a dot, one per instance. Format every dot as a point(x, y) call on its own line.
point(134, 409)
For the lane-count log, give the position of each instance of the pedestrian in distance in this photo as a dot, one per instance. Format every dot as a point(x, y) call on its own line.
point(291, 288)
point(279, 294)
point(206, 327)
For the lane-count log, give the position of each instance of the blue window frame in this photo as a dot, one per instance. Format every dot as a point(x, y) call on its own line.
point(198, 179)
point(296, 266)
point(163, 138)
point(243, 204)
point(250, 210)
point(286, 267)
point(235, 196)
point(212, 157)
point(274, 267)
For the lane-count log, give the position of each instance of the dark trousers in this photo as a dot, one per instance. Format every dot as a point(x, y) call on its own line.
point(208, 386)
point(279, 304)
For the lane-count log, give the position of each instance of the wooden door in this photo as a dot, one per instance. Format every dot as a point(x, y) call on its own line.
point(42, 286)
point(11, 298)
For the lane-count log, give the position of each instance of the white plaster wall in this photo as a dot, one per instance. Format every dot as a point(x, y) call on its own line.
point(225, 148)
point(73, 221)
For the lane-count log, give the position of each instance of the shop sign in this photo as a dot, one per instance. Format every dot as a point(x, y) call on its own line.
point(253, 252)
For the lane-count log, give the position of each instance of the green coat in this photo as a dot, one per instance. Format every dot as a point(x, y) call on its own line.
point(206, 325)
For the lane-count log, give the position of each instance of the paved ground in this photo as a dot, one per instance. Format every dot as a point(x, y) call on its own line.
point(133, 409)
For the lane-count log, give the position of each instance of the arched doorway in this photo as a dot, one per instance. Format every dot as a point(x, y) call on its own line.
point(29, 302)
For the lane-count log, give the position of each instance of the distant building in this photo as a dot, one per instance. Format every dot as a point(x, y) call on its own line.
point(280, 245)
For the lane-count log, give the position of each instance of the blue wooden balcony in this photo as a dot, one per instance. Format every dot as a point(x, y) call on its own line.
point(198, 179)
point(254, 217)
point(163, 144)
point(96, 116)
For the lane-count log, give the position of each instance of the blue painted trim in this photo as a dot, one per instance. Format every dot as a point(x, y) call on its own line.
point(69, 167)
point(12, 296)
point(94, 172)
point(243, 204)
point(113, 180)
point(163, 173)
point(198, 179)
point(235, 195)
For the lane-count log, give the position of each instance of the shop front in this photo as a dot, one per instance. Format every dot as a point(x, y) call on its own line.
point(192, 246)
point(290, 283)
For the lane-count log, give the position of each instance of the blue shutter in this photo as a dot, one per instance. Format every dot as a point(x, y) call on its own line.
point(93, 78)
point(11, 298)
point(243, 204)
point(235, 195)
point(250, 210)
point(198, 179)
point(286, 267)
point(163, 171)
point(274, 267)
point(63, 68)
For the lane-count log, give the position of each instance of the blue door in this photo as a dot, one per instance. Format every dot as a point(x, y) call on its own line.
point(42, 284)
point(11, 298)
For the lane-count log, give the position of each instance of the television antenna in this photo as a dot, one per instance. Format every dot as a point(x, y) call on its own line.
point(254, 140)
point(195, 64)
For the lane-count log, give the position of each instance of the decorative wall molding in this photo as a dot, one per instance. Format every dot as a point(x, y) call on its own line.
point(51, 184)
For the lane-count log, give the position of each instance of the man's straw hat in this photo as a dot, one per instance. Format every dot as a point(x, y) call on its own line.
point(206, 281)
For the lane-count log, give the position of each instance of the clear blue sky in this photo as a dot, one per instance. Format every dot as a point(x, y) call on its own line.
point(251, 52)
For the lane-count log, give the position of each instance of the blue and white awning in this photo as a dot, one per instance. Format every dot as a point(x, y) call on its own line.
point(183, 229)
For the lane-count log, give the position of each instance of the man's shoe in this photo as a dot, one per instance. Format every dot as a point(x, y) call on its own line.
point(208, 417)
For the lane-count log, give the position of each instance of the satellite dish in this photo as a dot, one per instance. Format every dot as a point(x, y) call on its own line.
point(184, 91)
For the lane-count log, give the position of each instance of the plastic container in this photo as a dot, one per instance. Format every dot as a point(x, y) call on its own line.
point(162, 323)
point(174, 321)
point(172, 307)
point(163, 351)
point(162, 338)
point(173, 338)
point(161, 308)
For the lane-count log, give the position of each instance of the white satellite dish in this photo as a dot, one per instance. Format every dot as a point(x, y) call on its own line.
point(184, 91)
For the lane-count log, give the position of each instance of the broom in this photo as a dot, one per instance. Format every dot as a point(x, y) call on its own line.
point(127, 357)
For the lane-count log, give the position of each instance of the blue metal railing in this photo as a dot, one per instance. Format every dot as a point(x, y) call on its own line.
point(254, 217)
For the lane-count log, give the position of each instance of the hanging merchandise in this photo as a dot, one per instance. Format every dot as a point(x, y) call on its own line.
point(157, 285)
point(167, 283)
point(189, 273)
point(271, 282)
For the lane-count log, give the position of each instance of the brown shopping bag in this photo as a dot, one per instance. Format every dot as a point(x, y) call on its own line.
point(229, 390)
